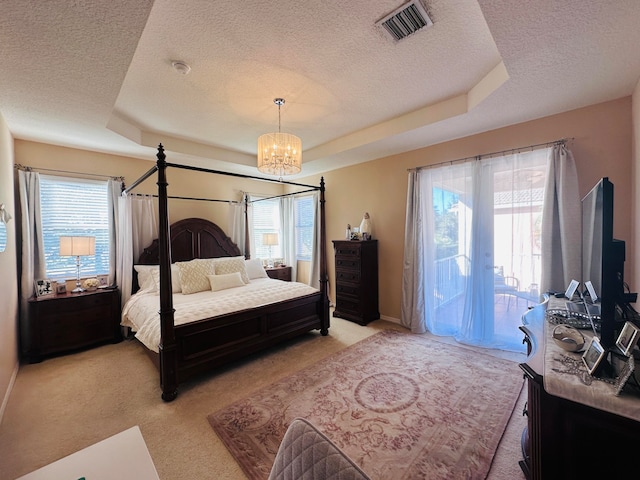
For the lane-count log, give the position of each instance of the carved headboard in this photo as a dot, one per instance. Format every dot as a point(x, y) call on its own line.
point(192, 238)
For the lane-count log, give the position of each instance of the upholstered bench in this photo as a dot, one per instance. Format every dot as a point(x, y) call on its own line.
point(307, 454)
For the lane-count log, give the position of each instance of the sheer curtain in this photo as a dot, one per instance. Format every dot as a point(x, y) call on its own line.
point(236, 221)
point(470, 226)
point(562, 226)
point(33, 264)
point(288, 231)
point(138, 228)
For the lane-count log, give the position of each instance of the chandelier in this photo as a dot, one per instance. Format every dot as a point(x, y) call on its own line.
point(279, 153)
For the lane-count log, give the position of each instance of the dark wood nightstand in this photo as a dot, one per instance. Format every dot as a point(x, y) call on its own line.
point(279, 273)
point(67, 322)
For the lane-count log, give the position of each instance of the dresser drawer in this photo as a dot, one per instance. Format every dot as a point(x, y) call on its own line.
point(351, 263)
point(347, 275)
point(351, 250)
point(348, 289)
point(348, 305)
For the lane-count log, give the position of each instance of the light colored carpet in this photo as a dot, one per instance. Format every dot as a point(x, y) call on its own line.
point(401, 406)
point(64, 404)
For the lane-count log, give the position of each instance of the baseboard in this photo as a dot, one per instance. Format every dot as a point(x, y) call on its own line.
point(5, 400)
point(390, 319)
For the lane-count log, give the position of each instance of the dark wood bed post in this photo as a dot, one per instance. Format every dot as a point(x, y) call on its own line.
point(324, 277)
point(247, 240)
point(168, 346)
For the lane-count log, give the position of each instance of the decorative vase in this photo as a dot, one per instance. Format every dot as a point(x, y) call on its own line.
point(365, 227)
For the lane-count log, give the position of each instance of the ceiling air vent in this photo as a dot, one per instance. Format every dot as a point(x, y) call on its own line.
point(406, 20)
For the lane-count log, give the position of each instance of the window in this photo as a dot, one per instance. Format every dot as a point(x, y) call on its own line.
point(74, 207)
point(304, 227)
point(266, 219)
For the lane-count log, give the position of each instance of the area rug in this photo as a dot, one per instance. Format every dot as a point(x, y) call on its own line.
point(401, 405)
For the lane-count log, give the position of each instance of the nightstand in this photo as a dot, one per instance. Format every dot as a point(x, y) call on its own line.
point(279, 273)
point(67, 322)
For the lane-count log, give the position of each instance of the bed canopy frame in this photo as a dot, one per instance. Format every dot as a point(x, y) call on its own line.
point(173, 364)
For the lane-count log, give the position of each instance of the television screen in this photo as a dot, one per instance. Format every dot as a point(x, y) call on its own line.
point(602, 255)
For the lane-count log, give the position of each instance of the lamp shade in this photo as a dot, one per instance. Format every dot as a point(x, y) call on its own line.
point(279, 154)
point(76, 246)
point(270, 239)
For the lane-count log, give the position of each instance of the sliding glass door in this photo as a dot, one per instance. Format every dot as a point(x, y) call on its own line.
point(481, 246)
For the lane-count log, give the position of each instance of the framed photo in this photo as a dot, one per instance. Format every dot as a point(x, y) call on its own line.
point(103, 281)
point(61, 288)
point(571, 289)
point(592, 291)
point(44, 287)
point(593, 355)
point(623, 367)
point(628, 338)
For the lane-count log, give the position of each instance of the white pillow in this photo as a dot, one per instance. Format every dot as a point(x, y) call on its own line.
point(255, 269)
point(145, 280)
point(230, 265)
point(227, 280)
point(176, 286)
point(193, 275)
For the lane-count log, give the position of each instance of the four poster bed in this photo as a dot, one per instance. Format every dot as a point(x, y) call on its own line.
point(247, 315)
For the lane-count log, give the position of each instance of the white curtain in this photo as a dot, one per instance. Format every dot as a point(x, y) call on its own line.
point(114, 188)
point(469, 226)
point(138, 228)
point(288, 231)
point(236, 224)
point(562, 226)
point(314, 268)
point(32, 247)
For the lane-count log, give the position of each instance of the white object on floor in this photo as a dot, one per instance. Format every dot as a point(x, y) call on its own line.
point(123, 456)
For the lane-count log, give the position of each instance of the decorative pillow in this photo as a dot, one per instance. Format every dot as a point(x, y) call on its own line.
point(176, 286)
point(255, 269)
point(231, 265)
point(227, 280)
point(193, 275)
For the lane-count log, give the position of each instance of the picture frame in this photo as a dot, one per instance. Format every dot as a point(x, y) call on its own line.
point(103, 281)
point(593, 355)
point(571, 289)
point(44, 287)
point(623, 367)
point(628, 338)
point(61, 288)
point(592, 291)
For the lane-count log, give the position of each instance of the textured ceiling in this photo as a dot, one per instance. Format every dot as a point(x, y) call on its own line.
point(98, 75)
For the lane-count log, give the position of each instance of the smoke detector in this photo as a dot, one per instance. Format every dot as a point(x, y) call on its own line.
point(181, 67)
point(406, 20)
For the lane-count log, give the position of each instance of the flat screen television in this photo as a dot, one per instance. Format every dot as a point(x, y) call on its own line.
point(603, 257)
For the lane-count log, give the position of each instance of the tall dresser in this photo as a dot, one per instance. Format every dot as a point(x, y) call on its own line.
point(356, 280)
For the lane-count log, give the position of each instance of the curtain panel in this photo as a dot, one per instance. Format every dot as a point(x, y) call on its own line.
point(477, 242)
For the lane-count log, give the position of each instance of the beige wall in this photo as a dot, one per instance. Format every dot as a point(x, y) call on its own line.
point(602, 147)
point(182, 183)
point(8, 268)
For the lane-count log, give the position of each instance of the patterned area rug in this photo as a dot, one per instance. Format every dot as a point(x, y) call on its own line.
point(400, 405)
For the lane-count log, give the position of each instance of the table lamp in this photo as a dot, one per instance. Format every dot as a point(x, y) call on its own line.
point(270, 239)
point(75, 247)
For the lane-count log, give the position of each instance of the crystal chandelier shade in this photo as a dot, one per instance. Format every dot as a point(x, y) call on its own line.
point(279, 153)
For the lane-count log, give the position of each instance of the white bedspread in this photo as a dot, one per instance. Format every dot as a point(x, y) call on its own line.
point(140, 313)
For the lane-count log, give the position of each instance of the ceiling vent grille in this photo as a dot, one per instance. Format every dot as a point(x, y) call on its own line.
point(405, 21)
